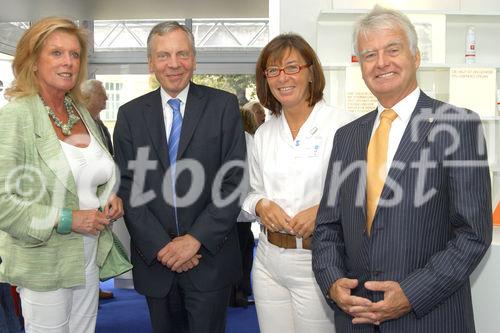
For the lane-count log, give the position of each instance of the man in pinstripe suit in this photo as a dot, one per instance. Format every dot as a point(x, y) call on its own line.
point(407, 269)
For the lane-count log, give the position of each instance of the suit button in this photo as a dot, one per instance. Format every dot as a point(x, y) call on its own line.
point(376, 273)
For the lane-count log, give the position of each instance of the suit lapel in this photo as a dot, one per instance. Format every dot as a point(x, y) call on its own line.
point(195, 106)
point(155, 123)
point(362, 138)
point(414, 136)
point(49, 148)
point(363, 135)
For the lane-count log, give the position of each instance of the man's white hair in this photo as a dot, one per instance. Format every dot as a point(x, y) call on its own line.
point(382, 18)
point(88, 88)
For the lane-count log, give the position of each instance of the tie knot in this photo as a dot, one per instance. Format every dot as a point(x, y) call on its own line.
point(175, 104)
point(388, 115)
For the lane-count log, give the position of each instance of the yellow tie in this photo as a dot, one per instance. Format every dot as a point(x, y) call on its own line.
point(376, 161)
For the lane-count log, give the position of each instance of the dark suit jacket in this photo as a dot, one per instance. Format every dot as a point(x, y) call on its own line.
point(106, 136)
point(211, 134)
point(428, 242)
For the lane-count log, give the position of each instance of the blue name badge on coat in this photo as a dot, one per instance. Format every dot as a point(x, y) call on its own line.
point(308, 147)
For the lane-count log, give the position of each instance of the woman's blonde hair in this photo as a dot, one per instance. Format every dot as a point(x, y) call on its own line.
point(28, 50)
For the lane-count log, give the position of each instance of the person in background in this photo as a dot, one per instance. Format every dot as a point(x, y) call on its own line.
point(249, 117)
point(95, 97)
point(287, 167)
point(186, 257)
point(406, 211)
point(9, 321)
point(256, 108)
point(56, 184)
point(243, 288)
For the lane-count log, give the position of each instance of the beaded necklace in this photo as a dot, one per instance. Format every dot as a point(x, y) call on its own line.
point(72, 117)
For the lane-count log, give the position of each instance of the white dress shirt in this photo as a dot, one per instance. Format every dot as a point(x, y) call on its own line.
point(167, 110)
point(404, 108)
point(288, 171)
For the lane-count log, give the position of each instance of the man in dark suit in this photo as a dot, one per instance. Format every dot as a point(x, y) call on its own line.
point(394, 246)
point(184, 244)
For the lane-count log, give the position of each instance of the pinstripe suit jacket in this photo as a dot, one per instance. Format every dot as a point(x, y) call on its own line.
point(431, 235)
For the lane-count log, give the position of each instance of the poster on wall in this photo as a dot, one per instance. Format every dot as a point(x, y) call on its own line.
point(358, 98)
point(474, 88)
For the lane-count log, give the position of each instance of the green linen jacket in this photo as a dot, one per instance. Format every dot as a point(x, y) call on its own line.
point(35, 183)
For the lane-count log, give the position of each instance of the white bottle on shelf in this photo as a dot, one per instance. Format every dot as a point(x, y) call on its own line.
point(498, 102)
point(470, 45)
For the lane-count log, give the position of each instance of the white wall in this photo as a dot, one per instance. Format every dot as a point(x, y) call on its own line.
point(27, 10)
point(399, 4)
point(480, 6)
point(6, 77)
point(299, 16)
point(485, 290)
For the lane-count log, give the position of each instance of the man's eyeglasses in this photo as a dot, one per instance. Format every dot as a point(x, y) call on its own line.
point(273, 71)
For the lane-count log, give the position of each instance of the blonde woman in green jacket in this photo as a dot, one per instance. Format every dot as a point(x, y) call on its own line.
point(56, 185)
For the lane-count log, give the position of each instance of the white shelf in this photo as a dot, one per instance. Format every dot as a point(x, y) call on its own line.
point(478, 18)
point(334, 29)
point(495, 118)
point(341, 66)
point(455, 16)
point(425, 66)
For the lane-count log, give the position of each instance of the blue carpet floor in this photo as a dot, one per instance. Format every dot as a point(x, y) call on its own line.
point(127, 312)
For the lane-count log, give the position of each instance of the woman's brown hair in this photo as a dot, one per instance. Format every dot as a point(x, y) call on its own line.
point(276, 50)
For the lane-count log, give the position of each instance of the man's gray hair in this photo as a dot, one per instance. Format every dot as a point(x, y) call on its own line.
point(382, 18)
point(169, 26)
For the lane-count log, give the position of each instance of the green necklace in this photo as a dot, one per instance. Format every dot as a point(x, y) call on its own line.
point(72, 117)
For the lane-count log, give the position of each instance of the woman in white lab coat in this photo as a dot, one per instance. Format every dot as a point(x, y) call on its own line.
point(288, 165)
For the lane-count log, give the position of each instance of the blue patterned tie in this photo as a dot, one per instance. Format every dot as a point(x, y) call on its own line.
point(173, 145)
point(175, 130)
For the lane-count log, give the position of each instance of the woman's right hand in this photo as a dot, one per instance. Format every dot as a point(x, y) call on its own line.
point(272, 216)
point(89, 221)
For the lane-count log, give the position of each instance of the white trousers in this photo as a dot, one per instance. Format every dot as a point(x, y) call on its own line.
point(287, 297)
point(66, 310)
